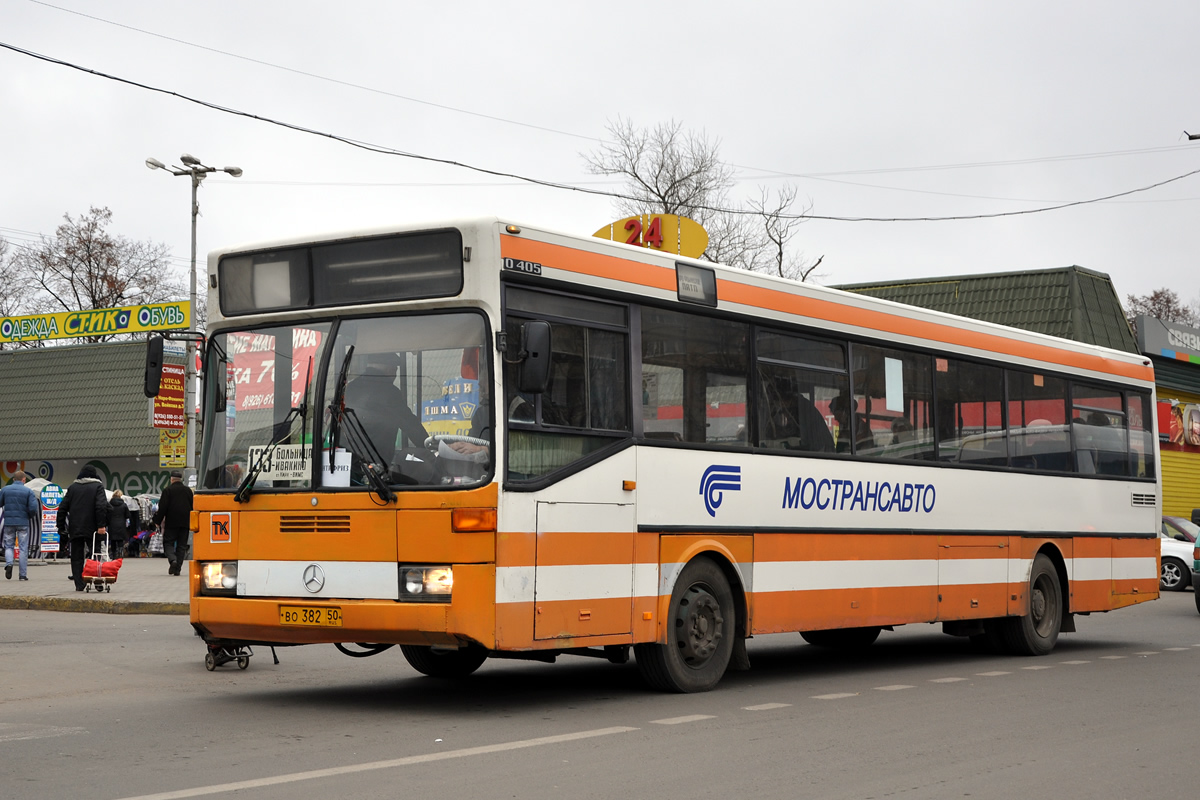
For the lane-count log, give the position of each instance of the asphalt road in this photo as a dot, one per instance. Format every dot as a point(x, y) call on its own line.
point(102, 706)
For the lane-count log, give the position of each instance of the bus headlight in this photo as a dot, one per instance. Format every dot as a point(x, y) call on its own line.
point(218, 577)
point(430, 584)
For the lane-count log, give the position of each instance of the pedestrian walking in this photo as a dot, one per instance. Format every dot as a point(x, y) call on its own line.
point(174, 513)
point(22, 513)
point(83, 512)
point(118, 525)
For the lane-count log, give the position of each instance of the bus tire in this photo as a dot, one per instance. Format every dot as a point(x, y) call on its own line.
point(700, 633)
point(442, 663)
point(843, 638)
point(1036, 633)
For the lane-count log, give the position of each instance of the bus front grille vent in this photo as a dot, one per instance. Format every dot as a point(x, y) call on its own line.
point(311, 523)
point(1143, 500)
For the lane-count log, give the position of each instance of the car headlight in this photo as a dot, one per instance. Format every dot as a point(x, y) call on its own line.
point(428, 584)
point(218, 577)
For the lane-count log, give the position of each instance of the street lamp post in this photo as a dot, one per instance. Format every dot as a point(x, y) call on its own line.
point(198, 172)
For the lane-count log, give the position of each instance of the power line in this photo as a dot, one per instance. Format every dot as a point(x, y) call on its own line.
point(314, 75)
point(383, 150)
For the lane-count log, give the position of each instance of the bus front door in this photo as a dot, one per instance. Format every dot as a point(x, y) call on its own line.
point(583, 576)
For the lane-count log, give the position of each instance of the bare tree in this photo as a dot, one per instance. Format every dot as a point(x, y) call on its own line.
point(84, 267)
point(779, 227)
point(667, 170)
point(14, 293)
point(1162, 304)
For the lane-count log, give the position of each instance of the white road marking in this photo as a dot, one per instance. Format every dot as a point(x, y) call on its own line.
point(992, 674)
point(681, 720)
point(294, 777)
point(895, 687)
point(765, 707)
point(1038, 667)
point(946, 680)
point(1112, 658)
point(1175, 649)
point(837, 696)
point(17, 731)
point(1147, 653)
point(1074, 662)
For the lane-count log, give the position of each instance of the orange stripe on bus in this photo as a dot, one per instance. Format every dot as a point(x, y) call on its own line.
point(778, 612)
point(571, 548)
point(842, 547)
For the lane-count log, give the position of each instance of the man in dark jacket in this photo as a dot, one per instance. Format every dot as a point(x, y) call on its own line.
point(174, 512)
point(118, 525)
point(84, 511)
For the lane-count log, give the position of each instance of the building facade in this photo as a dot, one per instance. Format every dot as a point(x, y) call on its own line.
point(64, 407)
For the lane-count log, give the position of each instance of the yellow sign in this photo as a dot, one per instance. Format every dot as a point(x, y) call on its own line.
point(96, 322)
point(172, 448)
point(666, 233)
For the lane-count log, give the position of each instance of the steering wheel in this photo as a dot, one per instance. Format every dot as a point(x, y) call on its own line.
point(451, 437)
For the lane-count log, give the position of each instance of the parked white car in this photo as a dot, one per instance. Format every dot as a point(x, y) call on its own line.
point(1178, 540)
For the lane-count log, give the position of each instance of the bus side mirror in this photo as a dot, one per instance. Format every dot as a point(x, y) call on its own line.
point(533, 374)
point(152, 378)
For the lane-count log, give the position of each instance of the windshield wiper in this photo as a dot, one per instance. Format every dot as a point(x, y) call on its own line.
point(360, 443)
point(369, 456)
point(284, 431)
point(336, 407)
point(247, 485)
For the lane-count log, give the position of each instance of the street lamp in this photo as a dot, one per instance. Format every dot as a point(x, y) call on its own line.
point(198, 172)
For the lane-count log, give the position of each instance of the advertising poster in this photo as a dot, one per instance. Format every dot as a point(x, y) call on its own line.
point(451, 413)
point(172, 448)
point(51, 496)
point(169, 411)
point(1179, 426)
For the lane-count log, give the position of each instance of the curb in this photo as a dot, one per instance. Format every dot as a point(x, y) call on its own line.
point(95, 606)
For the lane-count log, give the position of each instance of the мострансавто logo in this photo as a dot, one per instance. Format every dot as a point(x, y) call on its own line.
point(718, 479)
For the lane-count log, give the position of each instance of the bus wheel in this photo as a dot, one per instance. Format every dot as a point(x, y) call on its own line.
point(444, 663)
point(843, 639)
point(1036, 633)
point(700, 633)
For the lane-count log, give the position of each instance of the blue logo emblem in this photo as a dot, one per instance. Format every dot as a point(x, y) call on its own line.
point(717, 479)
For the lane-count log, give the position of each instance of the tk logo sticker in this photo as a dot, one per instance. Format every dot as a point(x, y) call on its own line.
point(219, 532)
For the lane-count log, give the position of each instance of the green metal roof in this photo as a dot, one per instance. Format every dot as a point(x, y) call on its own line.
point(81, 401)
point(1069, 302)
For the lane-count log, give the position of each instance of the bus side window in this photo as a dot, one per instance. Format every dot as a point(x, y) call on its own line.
point(694, 377)
point(889, 386)
point(969, 403)
point(586, 404)
point(1038, 435)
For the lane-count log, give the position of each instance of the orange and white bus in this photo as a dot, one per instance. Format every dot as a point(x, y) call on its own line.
point(480, 439)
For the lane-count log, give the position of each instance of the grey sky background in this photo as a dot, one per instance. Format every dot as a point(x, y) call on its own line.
point(900, 109)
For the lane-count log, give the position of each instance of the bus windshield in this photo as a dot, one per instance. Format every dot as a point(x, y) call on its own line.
point(402, 402)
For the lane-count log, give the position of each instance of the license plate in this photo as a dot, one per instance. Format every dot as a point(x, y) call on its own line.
point(315, 616)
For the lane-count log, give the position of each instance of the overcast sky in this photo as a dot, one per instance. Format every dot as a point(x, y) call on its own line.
point(899, 109)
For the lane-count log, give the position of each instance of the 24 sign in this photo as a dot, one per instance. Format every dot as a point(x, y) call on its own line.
point(667, 233)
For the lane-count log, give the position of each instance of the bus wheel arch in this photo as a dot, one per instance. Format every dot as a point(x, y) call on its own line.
point(703, 624)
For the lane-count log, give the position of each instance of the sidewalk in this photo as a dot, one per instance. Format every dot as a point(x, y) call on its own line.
point(142, 587)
